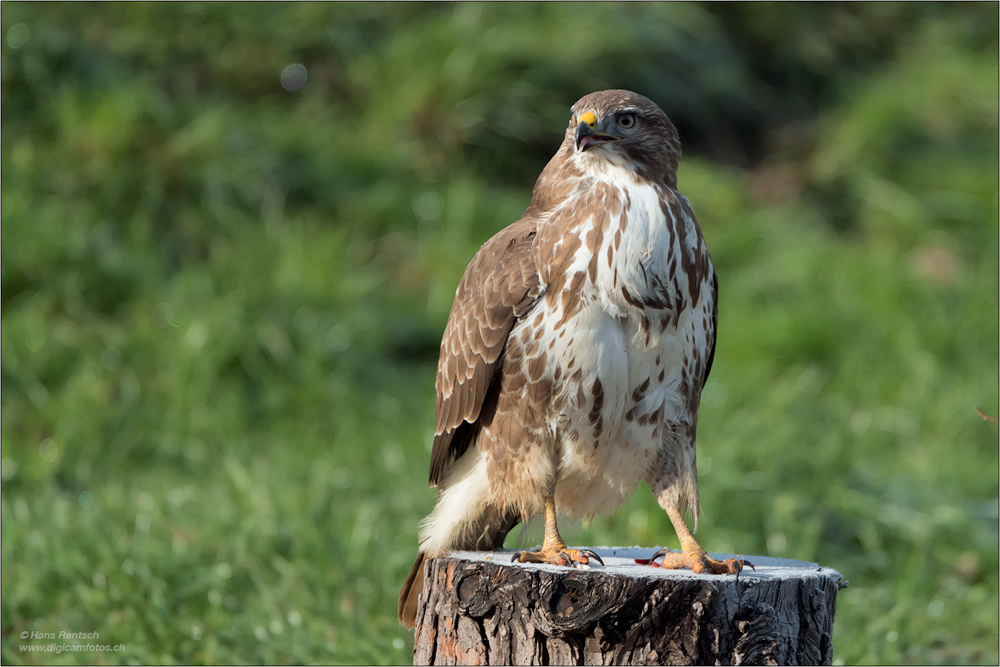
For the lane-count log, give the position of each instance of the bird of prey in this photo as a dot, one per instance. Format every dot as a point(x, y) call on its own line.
point(576, 351)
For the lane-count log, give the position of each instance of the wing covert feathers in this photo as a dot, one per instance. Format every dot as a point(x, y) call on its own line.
point(499, 286)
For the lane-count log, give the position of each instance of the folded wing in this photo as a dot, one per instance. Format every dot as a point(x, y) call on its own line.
point(500, 285)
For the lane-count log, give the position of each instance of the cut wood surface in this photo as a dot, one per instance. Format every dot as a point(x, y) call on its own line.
point(479, 608)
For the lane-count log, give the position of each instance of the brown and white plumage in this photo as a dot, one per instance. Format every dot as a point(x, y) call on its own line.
point(577, 347)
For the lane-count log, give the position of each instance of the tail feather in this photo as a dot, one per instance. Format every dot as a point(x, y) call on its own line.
point(411, 592)
point(464, 519)
point(486, 533)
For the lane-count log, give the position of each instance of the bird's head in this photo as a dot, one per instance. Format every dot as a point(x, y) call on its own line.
point(626, 129)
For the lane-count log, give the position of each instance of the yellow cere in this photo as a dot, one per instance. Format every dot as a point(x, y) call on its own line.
point(589, 118)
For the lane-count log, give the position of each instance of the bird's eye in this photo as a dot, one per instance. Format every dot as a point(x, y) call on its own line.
point(626, 120)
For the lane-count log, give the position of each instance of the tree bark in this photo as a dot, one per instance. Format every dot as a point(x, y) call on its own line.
point(478, 608)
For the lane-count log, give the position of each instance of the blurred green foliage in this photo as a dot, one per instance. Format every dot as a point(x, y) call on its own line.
point(222, 302)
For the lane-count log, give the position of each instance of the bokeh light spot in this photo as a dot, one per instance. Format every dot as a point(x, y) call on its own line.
point(162, 314)
point(428, 206)
point(9, 468)
point(714, 394)
point(18, 35)
point(38, 395)
point(196, 336)
point(48, 450)
point(776, 544)
point(86, 500)
point(338, 338)
point(34, 341)
point(111, 359)
point(293, 77)
point(342, 478)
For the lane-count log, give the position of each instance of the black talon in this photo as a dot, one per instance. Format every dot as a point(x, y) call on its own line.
point(659, 554)
point(590, 553)
point(741, 564)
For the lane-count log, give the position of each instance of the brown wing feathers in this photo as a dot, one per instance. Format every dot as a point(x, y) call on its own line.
point(500, 285)
point(715, 325)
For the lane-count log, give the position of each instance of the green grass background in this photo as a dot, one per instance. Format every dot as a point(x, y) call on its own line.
point(222, 302)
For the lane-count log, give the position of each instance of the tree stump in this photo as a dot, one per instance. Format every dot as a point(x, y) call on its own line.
point(478, 608)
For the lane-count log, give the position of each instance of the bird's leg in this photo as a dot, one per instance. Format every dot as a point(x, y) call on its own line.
point(554, 551)
point(692, 556)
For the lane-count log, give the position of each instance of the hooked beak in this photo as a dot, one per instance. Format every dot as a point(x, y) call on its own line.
point(587, 134)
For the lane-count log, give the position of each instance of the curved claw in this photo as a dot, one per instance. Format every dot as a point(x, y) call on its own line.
point(659, 554)
point(591, 554)
point(739, 564)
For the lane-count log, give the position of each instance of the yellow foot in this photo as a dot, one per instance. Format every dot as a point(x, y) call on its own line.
point(699, 561)
point(558, 556)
